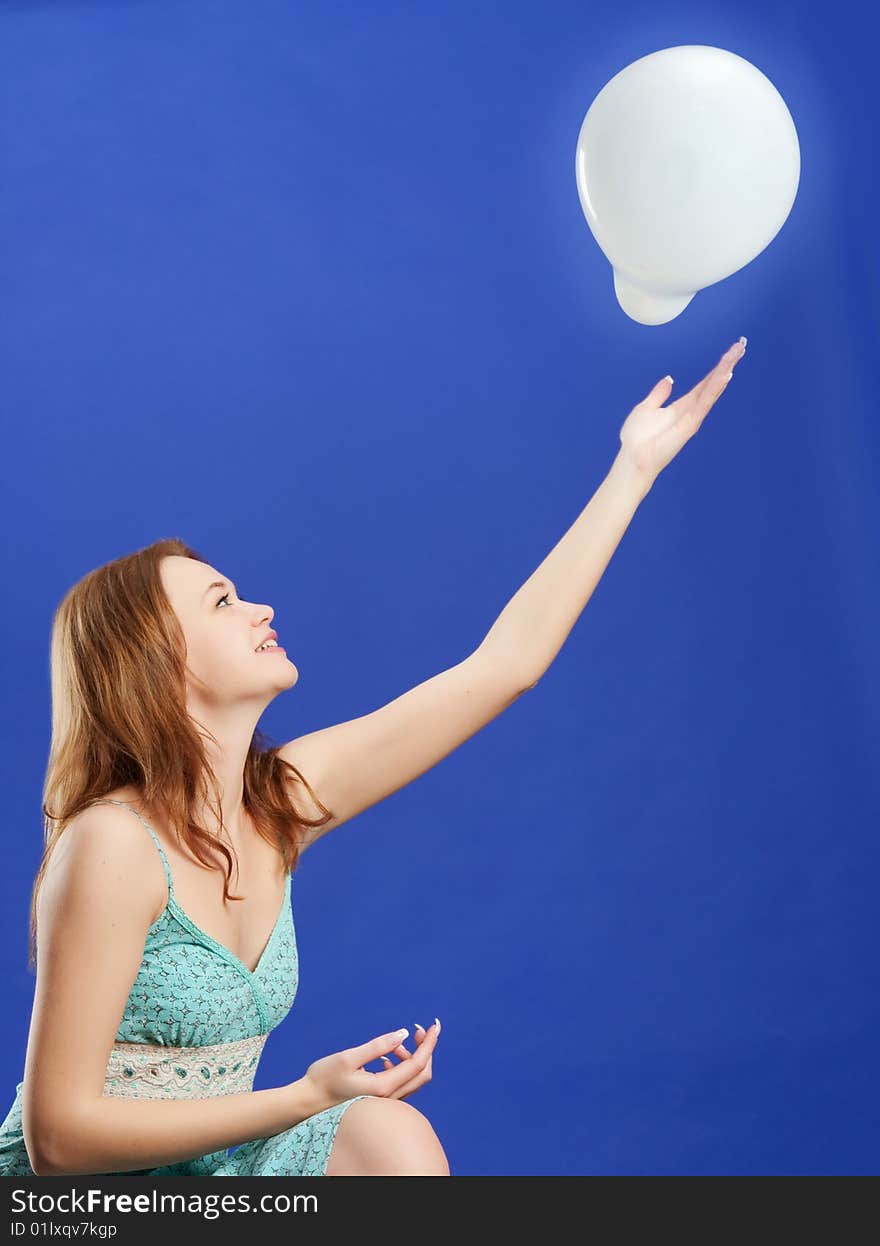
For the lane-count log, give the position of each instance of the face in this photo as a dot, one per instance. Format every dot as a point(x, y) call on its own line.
point(222, 634)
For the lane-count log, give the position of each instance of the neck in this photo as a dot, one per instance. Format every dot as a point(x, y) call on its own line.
point(228, 735)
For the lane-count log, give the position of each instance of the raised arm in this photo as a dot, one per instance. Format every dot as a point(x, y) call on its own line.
point(103, 888)
point(536, 623)
point(354, 764)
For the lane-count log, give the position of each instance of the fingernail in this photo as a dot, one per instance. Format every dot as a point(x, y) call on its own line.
point(401, 1033)
point(385, 1058)
point(729, 375)
point(668, 378)
point(420, 1027)
point(744, 341)
point(437, 1023)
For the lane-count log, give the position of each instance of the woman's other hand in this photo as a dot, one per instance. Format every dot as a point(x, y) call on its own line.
point(342, 1075)
point(419, 1075)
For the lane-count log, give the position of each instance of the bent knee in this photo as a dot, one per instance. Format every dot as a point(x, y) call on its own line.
point(386, 1137)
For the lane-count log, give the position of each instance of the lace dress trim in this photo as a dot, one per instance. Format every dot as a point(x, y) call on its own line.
point(148, 1071)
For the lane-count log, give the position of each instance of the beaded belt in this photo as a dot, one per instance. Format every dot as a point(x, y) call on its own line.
point(147, 1071)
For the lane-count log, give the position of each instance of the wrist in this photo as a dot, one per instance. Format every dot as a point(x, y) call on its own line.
point(306, 1099)
point(630, 479)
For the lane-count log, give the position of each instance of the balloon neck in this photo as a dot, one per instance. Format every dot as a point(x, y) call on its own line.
point(649, 306)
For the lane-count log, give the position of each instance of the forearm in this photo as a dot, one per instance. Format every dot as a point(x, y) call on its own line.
point(535, 623)
point(120, 1134)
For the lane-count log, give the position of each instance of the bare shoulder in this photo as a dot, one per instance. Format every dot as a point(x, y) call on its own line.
point(105, 846)
point(98, 898)
point(306, 758)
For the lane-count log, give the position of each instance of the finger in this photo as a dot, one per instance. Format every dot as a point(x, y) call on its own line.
point(661, 391)
point(685, 416)
point(409, 1088)
point(402, 1051)
point(689, 417)
point(390, 1080)
point(719, 373)
point(712, 378)
point(377, 1047)
point(421, 1076)
point(420, 1038)
point(658, 395)
point(712, 390)
point(421, 1034)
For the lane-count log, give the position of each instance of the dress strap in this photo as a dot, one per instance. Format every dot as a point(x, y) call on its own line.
point(126, 805)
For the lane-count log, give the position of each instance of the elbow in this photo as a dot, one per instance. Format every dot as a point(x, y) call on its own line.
point(44, 1155)
point(524, 681)
point(45, 1167)
point(57, 1138)
point(32, 1146)
point(39, 1162)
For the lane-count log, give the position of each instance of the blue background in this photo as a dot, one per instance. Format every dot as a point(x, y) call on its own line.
point(310, 287)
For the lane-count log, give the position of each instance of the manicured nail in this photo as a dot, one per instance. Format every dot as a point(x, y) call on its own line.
point(744, 341)
point(420, 1027)
point(729, 375)
point(401, 1034)
point(437, 1023)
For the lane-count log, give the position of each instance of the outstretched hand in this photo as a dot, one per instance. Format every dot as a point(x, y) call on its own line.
point(652, 434)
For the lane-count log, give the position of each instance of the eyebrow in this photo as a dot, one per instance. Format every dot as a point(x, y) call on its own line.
point(219, 584)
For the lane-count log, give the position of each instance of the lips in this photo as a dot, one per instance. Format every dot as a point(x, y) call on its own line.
point(270, 635)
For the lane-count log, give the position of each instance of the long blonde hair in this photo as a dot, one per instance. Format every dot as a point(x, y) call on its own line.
point(119, 718)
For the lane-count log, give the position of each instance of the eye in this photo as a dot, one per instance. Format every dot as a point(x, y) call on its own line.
point(225, 598)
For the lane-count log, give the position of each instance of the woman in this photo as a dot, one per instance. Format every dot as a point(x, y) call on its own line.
point(158, 788)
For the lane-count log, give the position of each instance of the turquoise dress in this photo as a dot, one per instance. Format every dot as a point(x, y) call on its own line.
point(192, 992)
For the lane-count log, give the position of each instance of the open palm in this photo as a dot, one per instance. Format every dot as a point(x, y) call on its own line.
point(652, 435)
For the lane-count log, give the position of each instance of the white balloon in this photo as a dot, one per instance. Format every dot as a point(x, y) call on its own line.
point(687, 167)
